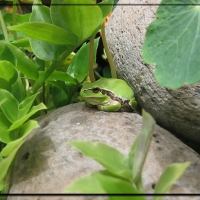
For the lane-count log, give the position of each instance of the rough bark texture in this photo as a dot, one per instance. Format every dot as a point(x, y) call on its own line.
point(176, 110)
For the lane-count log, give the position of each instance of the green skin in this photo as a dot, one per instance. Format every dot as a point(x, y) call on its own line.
point(109, 94)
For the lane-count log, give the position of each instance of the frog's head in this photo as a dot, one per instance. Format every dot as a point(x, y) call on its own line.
point(94, 96)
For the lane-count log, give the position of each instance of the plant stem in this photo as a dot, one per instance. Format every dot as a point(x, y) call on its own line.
point(91, 60)
point(14, 17)
point(5, 33)
point(110, 60)
point(50, 70)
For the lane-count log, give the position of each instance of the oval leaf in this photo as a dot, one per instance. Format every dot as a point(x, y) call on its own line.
point(103, 153)
point(171, 174)
point(102, 182)
point(5, 85)
point(8, 71)
point(6, 162)
point(78, 67)
point(44, 50)
point(25, 130)
point(24, 64)
point(46, 32)
point(106, 7)
point(8, 105)
point(142, 145)
point(172, 43)
point(81, 19)
point(20, 121)
point(87, 184)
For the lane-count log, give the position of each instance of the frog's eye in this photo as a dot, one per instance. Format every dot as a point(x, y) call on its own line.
point(96, 90)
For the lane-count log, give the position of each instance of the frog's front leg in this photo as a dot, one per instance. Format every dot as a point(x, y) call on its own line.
point(110, 106)
point(133, 104)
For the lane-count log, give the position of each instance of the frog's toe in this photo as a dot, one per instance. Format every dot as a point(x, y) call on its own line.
point(133, 103)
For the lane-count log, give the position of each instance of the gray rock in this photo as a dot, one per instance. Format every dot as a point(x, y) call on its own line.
point(47, 164)
point(176, 110)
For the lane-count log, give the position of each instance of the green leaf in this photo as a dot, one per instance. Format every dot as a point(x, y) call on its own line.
point(18, 89)
point(1, 186)
point(8, 71)
point(22, 43)
point(24, 64)
point(60, 96)
point(142, 145)
point(25, 130)
point(62, 93)
point(56, 15)
point(59, 84)
point(172, 43)
point(44, 50)
point(5, 136)
point(87, 184)
point(171, 174)
point(82, 19)
point(4, 123)
point(5, 85)
point(7, 54)
point(78, 67)
point(20, 121)
point(107, 156)
point(8, 105)
point(106, 7)
point(6, 162)
point(115, 185)
point(132, 152)
point(58, 75)
point(46, 32)
point(8, 18)
point(102, 182)
point(25, 105)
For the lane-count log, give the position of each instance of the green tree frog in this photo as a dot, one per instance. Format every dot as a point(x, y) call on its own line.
point(109, 94)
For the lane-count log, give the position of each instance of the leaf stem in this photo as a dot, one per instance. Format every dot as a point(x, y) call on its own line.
point(5, 33)
point(91, 60)
point(14, 17)
point(110, 60)
point(50, 70)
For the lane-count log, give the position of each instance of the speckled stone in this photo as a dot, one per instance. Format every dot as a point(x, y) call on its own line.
point(176, 110)
point(47, 164)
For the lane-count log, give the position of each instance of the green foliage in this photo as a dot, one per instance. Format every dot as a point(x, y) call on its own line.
point(52, 34)
point(123, 175)
point(107, 156)
point(169, 176)
point(172, 43)
point(78, 68)
point(9, 151)
point(15, 56)
point(48, 51)
point(46, 32)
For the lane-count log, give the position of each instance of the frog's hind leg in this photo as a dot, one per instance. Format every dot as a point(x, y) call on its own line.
point(111, 106)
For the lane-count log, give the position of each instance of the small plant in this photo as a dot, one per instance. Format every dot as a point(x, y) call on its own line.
point(123, 175)
point(52, 77)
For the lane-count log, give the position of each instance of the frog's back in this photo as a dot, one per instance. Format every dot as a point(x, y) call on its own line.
point(118, 86)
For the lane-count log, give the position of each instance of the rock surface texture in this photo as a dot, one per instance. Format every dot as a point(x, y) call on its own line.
point(176, 110)
point(47, 164)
